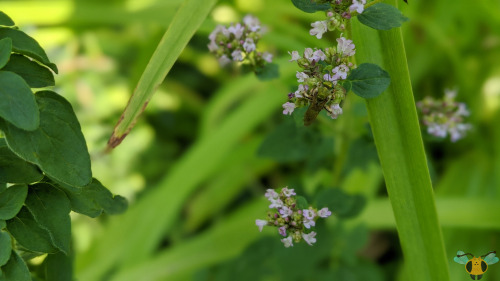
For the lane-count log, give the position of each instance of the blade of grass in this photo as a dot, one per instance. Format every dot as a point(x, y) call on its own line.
point(396, 130)
point(186, 21)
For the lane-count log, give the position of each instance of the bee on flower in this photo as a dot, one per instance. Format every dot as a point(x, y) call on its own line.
point(293, 223)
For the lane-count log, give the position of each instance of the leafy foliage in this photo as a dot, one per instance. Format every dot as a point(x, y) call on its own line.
point(382, 16)
point(310, 6)
point(41, 140)
point(368, 80)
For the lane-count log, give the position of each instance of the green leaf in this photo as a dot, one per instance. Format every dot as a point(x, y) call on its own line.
point(268, 72)
point(310, 6)
point(5, 247)
point(186, 21)
point(50, 208)
point(57, 146)
point(17, 103)
point(302, 203)
point(16, 269)
point(5, 50)
point(93, 199)
point(2, 224)
point(6, 20)
point(11, 200)
point(382, 16)
point(58, 267)
point(30, 234)
point(341, 204)
point(287, 143)
point(369, 80)
point(35, 75)
point(14, 169)
point(24, 44)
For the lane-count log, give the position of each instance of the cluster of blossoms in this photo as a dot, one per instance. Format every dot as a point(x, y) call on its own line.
point(320, 77)
point(338, 14)
point(443, 117)
point(292, 223)
point(238, 43)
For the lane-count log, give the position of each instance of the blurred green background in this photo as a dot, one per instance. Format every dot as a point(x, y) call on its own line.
point(212, 140)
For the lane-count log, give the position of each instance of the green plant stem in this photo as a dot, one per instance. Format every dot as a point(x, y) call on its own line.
point(396, 131)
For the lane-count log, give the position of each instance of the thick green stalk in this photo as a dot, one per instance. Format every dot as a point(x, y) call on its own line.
point(396, 130)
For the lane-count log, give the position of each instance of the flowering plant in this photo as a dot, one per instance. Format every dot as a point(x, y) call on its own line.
point(292, 216)
point(446, 116)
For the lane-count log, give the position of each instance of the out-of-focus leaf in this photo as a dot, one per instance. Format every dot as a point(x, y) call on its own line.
point(24, 44)
point(57, 146)
point(5, 247)
point(6, 20)
point(58, 267)
point(310, 6)
point(361, 153)
point(16, 269)
point(268, 71)
point(50, 208)
point(17, 103)
point(382, 16)
point(302, 203)
point(11, 200)
point(35, 75)
point(29, 233)
point(14, 169)
point(342, 205)
point(5, 50)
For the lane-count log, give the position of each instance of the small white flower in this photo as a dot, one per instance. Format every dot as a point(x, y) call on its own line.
point(358, 6)
point(309, 214)
point(261, 224)
point(309, 238)
point(267, 57)
point(318, 55)
point(309, 223)
point(437, 130)
point(331, 78)
point(295, 55)
point(251, 22)
point(450, 95)
point(336, 110)
point(462, 110)
point(212, 47)
point(237, 55)
point(285, 212)
point(288, 192)
point(319, 27)
point(218, 29)
point(249, 45)
point(224, 60)
point(324, 213)
point(340, 72)
point(459, 131)
point(287, 241)
point(301, 76)
point(308, 54)
point(271, 194)
point(275, 203)
point(282, 230)
point(302, 89)
point(288, 108)
point(237, 30)
point(345, 47)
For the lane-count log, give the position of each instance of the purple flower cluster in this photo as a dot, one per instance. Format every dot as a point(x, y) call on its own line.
point(322, 70)
point(337, 16)
point(443, 117)
point(238, 43)
point(294, 224)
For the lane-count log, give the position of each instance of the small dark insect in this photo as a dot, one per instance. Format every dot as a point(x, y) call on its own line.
point(314, 109)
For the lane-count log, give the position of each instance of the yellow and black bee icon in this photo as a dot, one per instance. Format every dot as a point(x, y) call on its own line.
point(476, 266)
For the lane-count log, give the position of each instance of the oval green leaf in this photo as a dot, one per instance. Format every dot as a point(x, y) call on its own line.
point(14, 169)
point(6, 20)
point(35, 75)
point(58, 267)
point(11, 200)
point(57, 146)
point(5, 50)
point(341, 204)
point(22, 43)
point(50, 208)
point(16, 269)
point(93, 199)
point(29, 234)
point(17, 103)
point(368, 80)
point(382, 16)
point(5, 247)
point(310, 6)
